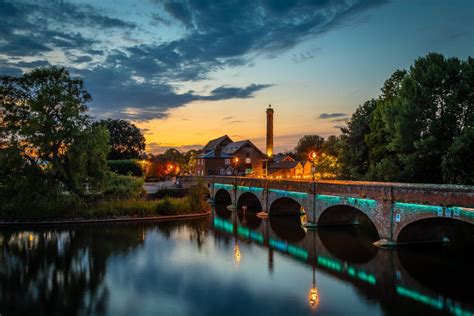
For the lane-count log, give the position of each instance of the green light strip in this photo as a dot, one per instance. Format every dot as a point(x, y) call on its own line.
point(329, 263)
point(403, 291)
point(249, 189)
point(411, 207)
point(223, 225)
point(223, 186)
point(356, 202)
point(289, 193)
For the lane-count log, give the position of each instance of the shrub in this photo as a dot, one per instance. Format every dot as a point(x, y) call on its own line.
point(124, 187)
point(126, 167)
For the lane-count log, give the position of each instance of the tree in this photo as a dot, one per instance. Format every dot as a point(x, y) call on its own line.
point(332, 146)
point(307, 144)
point(49, 145)
point(433, 107)
point(457, 163)
point(354, 154)
point(126, 140)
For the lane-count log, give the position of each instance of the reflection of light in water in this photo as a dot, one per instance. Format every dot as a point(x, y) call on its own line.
point(313, 297)
point(237, 256)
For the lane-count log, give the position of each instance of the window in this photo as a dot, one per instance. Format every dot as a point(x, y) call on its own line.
point(227, 161)
point(247, 160)
point(222, 172)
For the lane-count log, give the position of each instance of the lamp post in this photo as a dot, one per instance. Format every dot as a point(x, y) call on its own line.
point(312, 158)
point(233, 206)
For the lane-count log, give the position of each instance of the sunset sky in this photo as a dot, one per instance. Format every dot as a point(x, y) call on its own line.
point(186, 72)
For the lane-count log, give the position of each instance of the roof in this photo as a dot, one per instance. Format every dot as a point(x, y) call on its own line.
point(232, 148)
point(221, 141)
point(283, 165)
point(282, 157)
point(212, 154)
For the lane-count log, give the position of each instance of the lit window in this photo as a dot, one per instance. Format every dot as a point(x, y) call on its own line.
point(227, 161)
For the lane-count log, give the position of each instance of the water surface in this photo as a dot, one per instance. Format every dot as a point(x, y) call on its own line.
point(227, 264)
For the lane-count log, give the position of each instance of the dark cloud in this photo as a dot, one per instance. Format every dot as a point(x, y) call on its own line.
point(338, 126)
point(339, 120)
point(228, 118)
point(158, 148)
point(137, 80)
point(324, 116)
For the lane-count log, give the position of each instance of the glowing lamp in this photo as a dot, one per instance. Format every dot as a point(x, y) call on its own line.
point(313, 298)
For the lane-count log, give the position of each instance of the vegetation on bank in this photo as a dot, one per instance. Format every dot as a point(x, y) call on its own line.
point(53, 157)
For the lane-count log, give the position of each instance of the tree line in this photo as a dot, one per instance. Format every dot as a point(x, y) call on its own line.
point(419, 129)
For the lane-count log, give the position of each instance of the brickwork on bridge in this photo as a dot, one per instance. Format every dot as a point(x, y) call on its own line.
point(390, 206)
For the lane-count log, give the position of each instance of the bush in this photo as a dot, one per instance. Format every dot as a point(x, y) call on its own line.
point(124, 187)
point(126, 167)
point(172, 193)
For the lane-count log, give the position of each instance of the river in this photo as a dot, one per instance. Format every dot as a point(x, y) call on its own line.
point(228, 264)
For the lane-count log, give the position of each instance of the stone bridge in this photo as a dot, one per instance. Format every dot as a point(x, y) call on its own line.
point(401, 213)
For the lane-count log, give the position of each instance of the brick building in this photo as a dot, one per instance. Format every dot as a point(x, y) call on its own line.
point(219, 158)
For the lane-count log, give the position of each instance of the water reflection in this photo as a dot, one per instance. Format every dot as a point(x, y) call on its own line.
point(189, 267)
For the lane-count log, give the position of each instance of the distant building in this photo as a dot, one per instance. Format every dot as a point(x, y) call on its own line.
point(219, 156)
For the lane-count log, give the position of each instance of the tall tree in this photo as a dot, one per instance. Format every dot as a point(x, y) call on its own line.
point(434, 106)
point(307, 144)
point(126, 140)
point(48, 143)
point(354, 154)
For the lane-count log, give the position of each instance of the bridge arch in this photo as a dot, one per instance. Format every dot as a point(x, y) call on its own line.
point(251, 201)
point(435, 229)
point(346, 215)
point(222, 197)
point(285, 206)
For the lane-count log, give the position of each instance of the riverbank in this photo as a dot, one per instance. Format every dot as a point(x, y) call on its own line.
point(107, 220)
point(131, 209)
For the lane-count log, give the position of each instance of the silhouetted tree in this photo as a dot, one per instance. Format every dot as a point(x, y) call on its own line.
point(126, 140)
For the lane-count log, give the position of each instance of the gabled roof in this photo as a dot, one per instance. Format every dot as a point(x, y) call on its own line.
point(282, 157)
point(212, 154)
point(232, 148)
point(283, 165)
point(221, 141)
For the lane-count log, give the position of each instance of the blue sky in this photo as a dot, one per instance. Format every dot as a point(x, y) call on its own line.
point(188, 71)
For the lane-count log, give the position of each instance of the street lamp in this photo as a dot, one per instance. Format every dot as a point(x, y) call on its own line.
point(233, 206)
point(312, 158)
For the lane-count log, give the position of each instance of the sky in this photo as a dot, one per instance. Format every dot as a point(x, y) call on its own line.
point(186, 72)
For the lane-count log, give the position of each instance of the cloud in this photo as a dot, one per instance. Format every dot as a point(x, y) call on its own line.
point(228, 118)
point(338, 126)
point(324, 116)
point(133, 74)
point(339, 120)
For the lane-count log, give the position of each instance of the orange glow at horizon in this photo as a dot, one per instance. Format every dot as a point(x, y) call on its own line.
point(193, 125)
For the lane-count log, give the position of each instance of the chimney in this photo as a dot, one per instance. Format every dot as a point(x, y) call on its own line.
point(270, 131)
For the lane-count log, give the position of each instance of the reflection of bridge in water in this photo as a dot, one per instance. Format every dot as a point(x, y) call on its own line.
point(344, 255)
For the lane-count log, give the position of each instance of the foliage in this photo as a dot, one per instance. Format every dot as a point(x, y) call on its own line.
point(126, 140)
point(327, 166)
point(457, 165)
point(124, 187)
point(411, 132)
point(172, 193)
point(126, 167)
point(354, 153)
point(50, 153)
point(307, 144)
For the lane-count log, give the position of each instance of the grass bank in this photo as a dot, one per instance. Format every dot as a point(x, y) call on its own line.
point(124, 202)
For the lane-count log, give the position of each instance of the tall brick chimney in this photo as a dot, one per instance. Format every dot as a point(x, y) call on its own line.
point(270, 131)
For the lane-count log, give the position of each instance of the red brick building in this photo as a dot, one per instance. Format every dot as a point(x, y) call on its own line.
point(219, 158)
